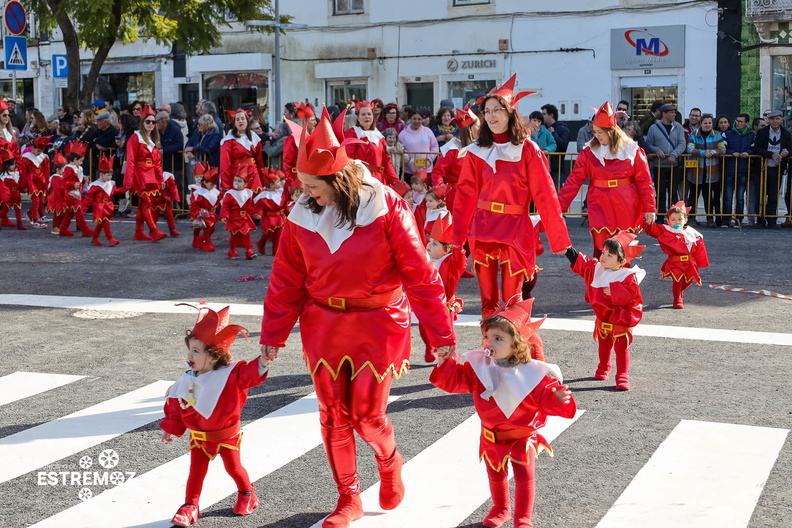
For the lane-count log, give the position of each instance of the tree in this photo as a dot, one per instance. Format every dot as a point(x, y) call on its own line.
point(97, 25)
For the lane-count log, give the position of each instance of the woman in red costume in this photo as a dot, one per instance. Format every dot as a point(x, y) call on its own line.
point(373, 150)
point(306, 117)
point(348, 248)
point(503, 172)
point(449, 166)
point(240, 146)
point(144, 174)
point(7, 139)
point(620, 193)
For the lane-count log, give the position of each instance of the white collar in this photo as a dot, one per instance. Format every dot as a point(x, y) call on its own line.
point(206, 388)
point(372, 206)
point(37, 160)
point(240, 196)
point(194, 187)
point(603, 277)
point(434, 214)
point(439, 262)
point(535, 219)
point(167, 175)
point(211, 196)
point(107, 186)
point(150, 144)
point(242, 140)
point(276, 196)
point(373, 136)
point(509, 385)
point(453, 144)
point(418, 197)
point(10, 176)
point(691, 235)
point(602, 153)
point(5, 134)
point(498, 151)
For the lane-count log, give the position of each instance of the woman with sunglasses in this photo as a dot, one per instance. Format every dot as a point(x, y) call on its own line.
point(7, 139)
point(144, 174)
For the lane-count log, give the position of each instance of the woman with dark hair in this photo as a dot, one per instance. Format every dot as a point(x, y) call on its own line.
point(502, 173)
point(373, 150)
point(723, 124)
point(620, 193)
point(144, 174)
point(390, 119)
point(62, 137)
point(376, 108)
point(452, 154)
point(444, 128)
point(418, 139)
point(306, 118)
point(241, 146)
point(65, 114)
point(7, 139)
point(351, 267)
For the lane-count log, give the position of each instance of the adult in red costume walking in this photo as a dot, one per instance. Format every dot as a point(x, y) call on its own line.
point(349, 252)
point(620, 193)
point(503, 172)
point(240, 146)
point(372, 149)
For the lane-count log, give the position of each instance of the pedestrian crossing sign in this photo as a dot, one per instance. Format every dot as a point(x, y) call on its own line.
point(15, 53)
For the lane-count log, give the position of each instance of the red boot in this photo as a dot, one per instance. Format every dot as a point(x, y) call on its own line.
point(501, 507)
point(622, 347)
point(197, 242)
point(246, 502)
point(113, 242)
point(186, 515)
point(678, 288)
point(524, 494)
point(604, 349)
point(96, 242)
point(139, 233)
point(391, 485)
point(250, 254)
point(20, 225)
point(349, 508)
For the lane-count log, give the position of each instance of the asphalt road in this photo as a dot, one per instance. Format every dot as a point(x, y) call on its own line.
point(596, 458)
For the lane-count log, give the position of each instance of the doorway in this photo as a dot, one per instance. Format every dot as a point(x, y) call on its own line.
point(420, 95)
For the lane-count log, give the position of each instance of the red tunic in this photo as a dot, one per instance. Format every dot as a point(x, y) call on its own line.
point(373, 152)
point(289, 162)
point(624, 305)
point(12, 196)
point(377, 258)
point(167, 195)
point(100, 196)
point(448, 168)
point(36, 172)
point(72, 181)
point(532, 413)
point(235, 152)
point(451, 270)
point(143, 167)
point(227, 411)
point(8, 142)
point(271, 205)
point(429, 218)
point(238, 210)
point(674, 243)
point(612, 208)
point(507, 237)
point(55, 199)
point(204, 204)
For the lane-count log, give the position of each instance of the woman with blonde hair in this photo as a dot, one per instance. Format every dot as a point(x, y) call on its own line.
point(620, 193)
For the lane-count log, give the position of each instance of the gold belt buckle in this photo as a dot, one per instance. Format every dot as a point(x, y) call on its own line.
point(149, 162)
point(487, 434)
point(381, 169)
point(684, 258)
point(252, 160)
point(242, 213)
point(338, 303)
point(497, 207)
point(613, 183)
point(294, 169)
point(198, 435)
point(606, 326)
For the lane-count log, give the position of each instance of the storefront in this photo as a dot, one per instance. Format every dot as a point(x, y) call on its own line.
point(123, 88)
point(239, 80)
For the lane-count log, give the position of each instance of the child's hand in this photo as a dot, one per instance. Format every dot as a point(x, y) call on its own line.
point(269, 352)
point(257, 216)
point(563, 393)
point(444, 353)
point(263, 361)
point(606, 290)
point(167, 437)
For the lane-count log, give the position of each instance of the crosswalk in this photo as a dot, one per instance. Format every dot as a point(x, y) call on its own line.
point(703, 474)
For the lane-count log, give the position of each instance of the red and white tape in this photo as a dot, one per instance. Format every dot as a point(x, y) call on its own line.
point(768, 293)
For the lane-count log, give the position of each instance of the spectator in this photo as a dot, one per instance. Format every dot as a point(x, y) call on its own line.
point(205, 142)
point(622, 114)
point(774, 143)
point(417, 138)
point(723, 124)
point(444, 129)
point(758, 123)
point(376, 109)
point(164, 107)
point(390, 119)
point(739, 144)
point(36, 127)
point(171, 140)
point(539, 133)
point(98, 106)
point(209, 108)
point(666, 139)
point(561, 135)
point(395, 150)
point(633, 129)
point(257, 115)
point(708, 146)
point(283, 130)
point(17, 121)
point(52, 125)
point(692, 122)
point(651, 118)
point(585, 133)
point(179, 115)
point(62, 137)
point(86, 126)
point(65, 114)
point(135, 108)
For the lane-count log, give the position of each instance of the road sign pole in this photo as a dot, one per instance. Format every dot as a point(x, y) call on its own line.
point(13, 84)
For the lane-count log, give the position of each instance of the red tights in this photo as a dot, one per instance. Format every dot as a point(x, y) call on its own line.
point(524, 492)
point(103, 226)
point(511, 286)
point(199, 465)
point(270, 234)
point(606, 347)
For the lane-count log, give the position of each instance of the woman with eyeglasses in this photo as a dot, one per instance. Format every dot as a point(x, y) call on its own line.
point(7, 139)
point(373, 151)
point(389, 118)
point(144, 174)
point(241, 146)
point(503, 173)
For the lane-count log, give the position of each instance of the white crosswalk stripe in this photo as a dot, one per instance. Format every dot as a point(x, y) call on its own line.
point(20, 385)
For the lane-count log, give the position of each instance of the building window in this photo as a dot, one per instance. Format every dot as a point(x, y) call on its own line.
point(237, 90)
point(782, 83)
point(467, 92)
point(470, 2)
point(347, 7)
point(340, 92)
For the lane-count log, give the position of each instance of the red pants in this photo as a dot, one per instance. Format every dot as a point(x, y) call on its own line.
point(81, 223)
point(36, 206)
point(199, 465)
point(511, 286)
point(524, 491)
point(346, 406)
point(606, 347)
point(103, 226)
point(678, 288)
point(167, 212)
point(145, 215)
point(269, 234)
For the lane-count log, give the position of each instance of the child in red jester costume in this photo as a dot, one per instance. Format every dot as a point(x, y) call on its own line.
point(514, 393)
point(100, 197)
point(351, 267)
point(208, 399)
point(203, 206)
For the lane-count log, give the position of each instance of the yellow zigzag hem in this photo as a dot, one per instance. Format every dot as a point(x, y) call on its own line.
point(507, 262)
point(529, 447)
point(613, 232)
point(681, 278)
point(397, 372)
point(197, 444)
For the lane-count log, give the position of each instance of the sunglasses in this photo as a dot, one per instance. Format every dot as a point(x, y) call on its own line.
point(136, 109)
point(149, 121)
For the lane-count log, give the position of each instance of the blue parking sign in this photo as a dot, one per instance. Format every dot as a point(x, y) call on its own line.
point(15, 53)
point(60, 66)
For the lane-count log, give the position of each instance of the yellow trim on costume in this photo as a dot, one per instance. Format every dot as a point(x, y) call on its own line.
point(38, 193)
point(71, 208)
point(198, 444)
point(507, 262)
point(13, 205)
point(613, 232)
point(148, 193)
point(397, 373)
point(238, 231)
point(98, 221)
point(529, 446)
point(272, 229)
point(681, 277)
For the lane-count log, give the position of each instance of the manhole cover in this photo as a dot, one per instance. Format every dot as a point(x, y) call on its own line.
point(100, 314)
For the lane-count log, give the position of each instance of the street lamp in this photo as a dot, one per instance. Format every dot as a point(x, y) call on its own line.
point(276, 63)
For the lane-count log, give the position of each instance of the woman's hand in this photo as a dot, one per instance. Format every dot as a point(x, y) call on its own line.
point(444, 353)
point(167, 437)
point(269, 352)
point(649, 218)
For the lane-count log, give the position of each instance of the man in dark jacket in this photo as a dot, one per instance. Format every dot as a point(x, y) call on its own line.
point(739, 144)
point(773, 142)
point(102, 139)
point(561, 135)
point(171, 139)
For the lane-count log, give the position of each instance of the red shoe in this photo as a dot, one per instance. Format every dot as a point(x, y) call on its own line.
point(391, 485)
point(467, 274)
point(197, 243)
point(349, 508)
point(174, 233)
point(113, 242)
point(208, 246)
point(261, 248)
point(158, 235)
point(186, 515)
point(678, 304)
point(96, 242)
point(250, 254)
point(430, 356)
point(622, 383)
point(87, 233)
point(21, 226)
point(246, 503)
point(8, 223)
point(65, 232)
point(142, 237)
point(233, 255)
point(602, 373)
point(497, 517)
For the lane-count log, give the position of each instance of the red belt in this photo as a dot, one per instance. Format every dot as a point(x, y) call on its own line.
point(503, 437)
point(609, 184)
point(612, 328)
point(145, 163)
point(273, 213)
point(679, 258)
point(497, 207)
point(379, 300)
point(216, 436)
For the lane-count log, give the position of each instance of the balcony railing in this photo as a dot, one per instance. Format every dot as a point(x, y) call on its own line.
point(759, 8)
